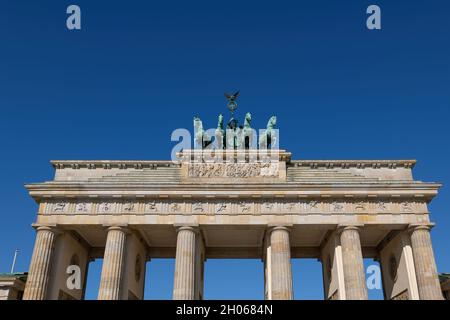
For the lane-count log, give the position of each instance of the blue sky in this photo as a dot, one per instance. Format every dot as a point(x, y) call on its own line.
point(139, 69)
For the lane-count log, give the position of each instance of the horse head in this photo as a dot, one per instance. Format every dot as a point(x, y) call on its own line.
point(272, 122)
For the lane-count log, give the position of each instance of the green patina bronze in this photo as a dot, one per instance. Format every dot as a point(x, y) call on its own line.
point(247, 131)
point(235, 136)
point(232, 105)
point(268, 138)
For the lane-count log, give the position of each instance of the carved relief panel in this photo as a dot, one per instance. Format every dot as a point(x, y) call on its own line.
point(229, 207)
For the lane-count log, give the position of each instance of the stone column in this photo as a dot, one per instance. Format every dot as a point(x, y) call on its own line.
point(353, 264)
point(424, 263)
point(40, 267)
point(187, 264)
point(111, 282)
point(280, 272)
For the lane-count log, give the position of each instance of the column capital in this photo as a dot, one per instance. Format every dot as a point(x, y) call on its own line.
point(344, 227)
point(47, 227)
point(420, 226)
point(274, 227)
point(118, 227)
point(190, 227)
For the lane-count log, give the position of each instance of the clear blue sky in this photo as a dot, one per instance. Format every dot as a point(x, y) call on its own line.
point(139, 69)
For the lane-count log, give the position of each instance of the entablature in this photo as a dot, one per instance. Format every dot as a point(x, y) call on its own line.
point(425, 191)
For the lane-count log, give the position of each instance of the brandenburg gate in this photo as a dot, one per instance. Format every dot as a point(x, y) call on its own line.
point(234, 203)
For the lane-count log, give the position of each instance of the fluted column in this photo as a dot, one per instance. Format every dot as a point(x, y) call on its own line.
point(280, 264)
point(39, 274)
point(424, 263)
point(353, 264)
point(111, 282)
point(185, 264)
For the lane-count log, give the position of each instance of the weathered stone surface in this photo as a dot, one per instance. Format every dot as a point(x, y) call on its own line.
point(232, 203)
point(353, 264)
point(397, 264)
point(426, 271)
point(188, 261)
point(278, 265)
point(40, 268)
point(111, 281)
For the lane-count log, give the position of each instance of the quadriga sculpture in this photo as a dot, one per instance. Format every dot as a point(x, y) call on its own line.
point(201, 138)
point(268, 137)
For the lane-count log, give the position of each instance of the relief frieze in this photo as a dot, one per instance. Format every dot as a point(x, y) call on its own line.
point(234, 207)
point(233, 170)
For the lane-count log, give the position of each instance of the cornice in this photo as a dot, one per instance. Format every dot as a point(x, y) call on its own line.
point(242, 187)
point(425, 191)
point(109, 164)
point(139, 164)
point(360, 164)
